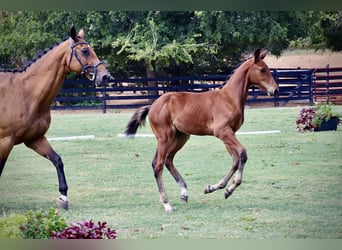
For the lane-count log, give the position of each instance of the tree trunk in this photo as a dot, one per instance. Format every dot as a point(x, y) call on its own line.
point(151, 74)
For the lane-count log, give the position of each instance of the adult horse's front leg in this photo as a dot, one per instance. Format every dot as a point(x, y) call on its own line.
point(239, 155)
point(6, 146)
point(42, 147)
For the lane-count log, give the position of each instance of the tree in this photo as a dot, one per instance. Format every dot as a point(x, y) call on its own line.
point(149, 43)
point(331, 24)
point(21, 36)
point(156, 42)
point(236, 33)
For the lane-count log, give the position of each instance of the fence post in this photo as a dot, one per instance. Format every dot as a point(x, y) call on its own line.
point(104, 100)
point(311, 88)
point(275, 76)
point(327, 85)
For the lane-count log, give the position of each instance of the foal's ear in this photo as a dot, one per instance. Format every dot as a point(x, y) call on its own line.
point(73, 32)
point(259, 55)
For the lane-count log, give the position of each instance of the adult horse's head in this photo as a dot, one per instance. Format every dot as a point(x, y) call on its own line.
point(260, 74)
point(84, 60)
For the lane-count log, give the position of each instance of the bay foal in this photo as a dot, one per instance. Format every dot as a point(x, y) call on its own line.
point(175, 116)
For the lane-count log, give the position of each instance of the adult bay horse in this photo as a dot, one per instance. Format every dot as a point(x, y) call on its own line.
point(26, 96)
point(175, 116)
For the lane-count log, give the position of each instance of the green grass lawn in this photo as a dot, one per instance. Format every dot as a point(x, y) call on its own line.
point(291, 187)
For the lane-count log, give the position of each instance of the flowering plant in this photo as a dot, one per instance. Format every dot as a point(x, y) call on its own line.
point(85, 230)
point(304, 120)
point(313, 118)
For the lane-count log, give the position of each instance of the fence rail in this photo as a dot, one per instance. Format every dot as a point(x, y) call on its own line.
point(301, 85)
point(328, 84)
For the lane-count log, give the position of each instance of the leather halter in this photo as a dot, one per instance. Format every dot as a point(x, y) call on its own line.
point(85, 68)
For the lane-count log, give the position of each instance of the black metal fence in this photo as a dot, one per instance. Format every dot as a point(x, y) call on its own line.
point(130, 93)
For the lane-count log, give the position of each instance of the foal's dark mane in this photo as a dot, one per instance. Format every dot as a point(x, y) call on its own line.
point(232, 73)
point(35, 59)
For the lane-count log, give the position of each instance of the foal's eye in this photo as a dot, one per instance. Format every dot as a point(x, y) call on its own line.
point(262, 70)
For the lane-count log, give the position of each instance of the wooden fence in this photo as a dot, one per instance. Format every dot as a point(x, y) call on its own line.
point(328, 85)
point(295, 85)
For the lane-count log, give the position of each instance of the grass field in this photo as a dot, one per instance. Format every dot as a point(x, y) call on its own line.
point(291, 188)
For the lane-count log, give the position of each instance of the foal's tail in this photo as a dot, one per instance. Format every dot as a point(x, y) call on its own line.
point(137, 120)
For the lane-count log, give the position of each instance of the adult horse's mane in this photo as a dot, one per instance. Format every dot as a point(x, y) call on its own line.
point(37, 56)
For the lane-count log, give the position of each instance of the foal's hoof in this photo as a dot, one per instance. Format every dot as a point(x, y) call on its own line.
point(227, 194)
point(62, 203)
point(167, 207)
point(184, 198)
point(208, 190)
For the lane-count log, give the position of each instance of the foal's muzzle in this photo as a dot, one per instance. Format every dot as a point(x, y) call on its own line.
point(271, 91)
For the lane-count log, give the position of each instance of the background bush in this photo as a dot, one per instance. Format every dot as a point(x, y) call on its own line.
point(9, 226)
point(40, 224)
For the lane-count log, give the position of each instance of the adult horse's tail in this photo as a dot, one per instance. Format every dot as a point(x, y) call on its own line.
point(137, 120)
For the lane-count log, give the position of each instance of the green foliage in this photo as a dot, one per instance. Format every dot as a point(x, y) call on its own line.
point(9, 226)
point(153, 42)
point(134, 43)
point(324, 112)
point(331, 24)
point(40, 224)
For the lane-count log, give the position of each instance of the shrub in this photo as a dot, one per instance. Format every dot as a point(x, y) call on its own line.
point(86, 230)
point(9, 226)
point(324, 112)
point(40, 224)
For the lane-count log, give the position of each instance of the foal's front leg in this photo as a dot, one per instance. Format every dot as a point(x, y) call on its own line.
point(42, 147)
point(239, 155)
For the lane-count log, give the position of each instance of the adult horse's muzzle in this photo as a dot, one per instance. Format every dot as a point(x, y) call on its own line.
point(102, 80)
point(102, 77)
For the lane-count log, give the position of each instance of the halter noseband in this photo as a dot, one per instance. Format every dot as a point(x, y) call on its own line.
point(85, 69)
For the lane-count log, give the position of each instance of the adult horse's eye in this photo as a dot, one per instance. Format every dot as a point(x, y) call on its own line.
point(85, 52)
point(262, 70)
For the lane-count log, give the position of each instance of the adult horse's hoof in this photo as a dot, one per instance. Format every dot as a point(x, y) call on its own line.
point(184, 198)
point(62, 203)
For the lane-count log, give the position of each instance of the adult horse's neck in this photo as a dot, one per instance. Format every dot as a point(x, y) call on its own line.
point(43, 79)
point(237, 86)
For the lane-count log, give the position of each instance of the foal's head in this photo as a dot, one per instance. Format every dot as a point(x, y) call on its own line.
point(260, 75)
point(84, 60)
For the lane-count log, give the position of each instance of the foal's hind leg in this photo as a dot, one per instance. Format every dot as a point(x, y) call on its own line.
point(178, 142)
point(42, 147)
point(158, 165)
point(239, 155)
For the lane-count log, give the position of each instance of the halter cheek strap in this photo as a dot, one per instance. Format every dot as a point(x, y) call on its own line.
point(85, 68)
